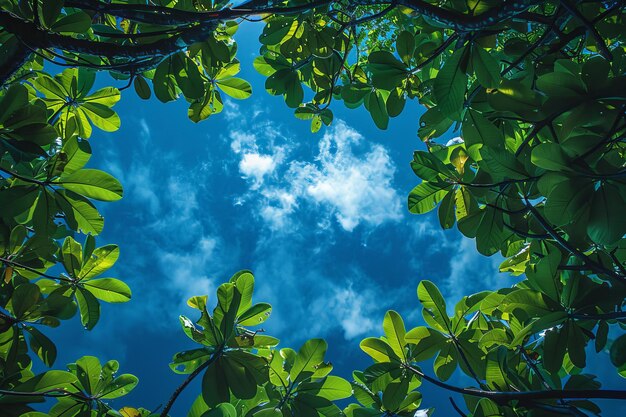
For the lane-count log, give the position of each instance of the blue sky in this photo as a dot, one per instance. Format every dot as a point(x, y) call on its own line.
point(321, 219)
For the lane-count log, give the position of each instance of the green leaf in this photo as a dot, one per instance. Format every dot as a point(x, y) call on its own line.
point(72, 256)
point(49, 11)
point(101, 260)
point(47, 381)
point(276, 30)
point(24, 299)
point(486, 67)
point(106, 96)
point(529, 301)
point(88, 370)
point(94, 184)
point(120, 386)
point(110, 290)
point(428, 167)
point(378, 349)
point(434, 304)
point(89, 308)
point(607, 223)
point(235, 87)
point(332, 388)
point(478, 131)
point(222, 410)
point(101, 116)
point(188, 361)
point(255, 315)
point(163, 82)
point(378, 110)
point(78, 22)
point(618, 351)
point(214, 390)
point(42, 346)
point(142, 88)
point(77, 153)
point(187, 75)
point(515, 97)
point(446, 212)
point(197, 408)
point(309, 356)
point(394, 394)
point(394, 329)
point(426, 196)
point(554, 345)
point(550, 156)
point(450, 85)
point(405, 46)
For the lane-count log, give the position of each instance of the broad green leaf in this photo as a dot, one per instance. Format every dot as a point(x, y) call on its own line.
point(88, 370)
point(41, 345)
point(378, 109)
point(188, 361)
point(426, 196)
point(434, 304)
point(235, 87)
point(24, 298)
point(94, 184)
point(89, 308)
point(394, 394)
point(100, 261)
point(550, 156)
point(428, 167)
point(106, 96)
point(110, 290)
point(101, 116)
point(394, 329)
point(47, 381)
point(80, 214)
point(72, 256)
point(78, 22)
point(531, 302)
point(222, 410)
point(378, 349)
point(142, 88)
point(618, 352)
point(607, 223)
point(120, 386)
point(332, 388)
point(486, 67)
point(446, 211)
point(554, 345)
point(255, 315)
point(187, 75)
point(214, 390)
point(309, 356)
point(450, 85)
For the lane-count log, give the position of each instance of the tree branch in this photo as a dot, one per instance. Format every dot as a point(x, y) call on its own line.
point(187, 381)
point(594, 266)
point(505, 396)
point(7, 261)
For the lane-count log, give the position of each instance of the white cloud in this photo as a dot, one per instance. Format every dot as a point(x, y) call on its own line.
point(257, 166)
point(310, 303)
point(349, 180)
point(353, 310)
point(357, 188)
point(231, 110)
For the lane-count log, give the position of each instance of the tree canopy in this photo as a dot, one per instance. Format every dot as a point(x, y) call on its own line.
point(537, 92)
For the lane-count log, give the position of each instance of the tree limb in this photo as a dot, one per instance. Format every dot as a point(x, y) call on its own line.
point(505, 396)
